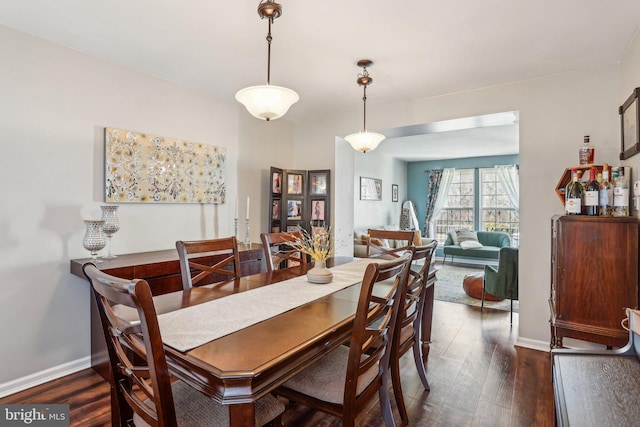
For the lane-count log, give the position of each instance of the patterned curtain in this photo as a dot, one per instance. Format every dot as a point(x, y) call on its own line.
point(435, 177)
point(437, 190)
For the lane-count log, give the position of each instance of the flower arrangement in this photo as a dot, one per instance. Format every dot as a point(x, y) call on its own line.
point(319, 244)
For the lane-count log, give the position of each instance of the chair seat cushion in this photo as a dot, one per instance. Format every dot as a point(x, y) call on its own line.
point(325, 379)
point(195, 409)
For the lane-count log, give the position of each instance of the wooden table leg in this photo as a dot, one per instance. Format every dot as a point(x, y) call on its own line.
point(427, 314)
point(242, 415)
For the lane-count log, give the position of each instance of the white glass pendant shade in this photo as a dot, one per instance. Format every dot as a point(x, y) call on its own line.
point(364, 141)
point(267, 102)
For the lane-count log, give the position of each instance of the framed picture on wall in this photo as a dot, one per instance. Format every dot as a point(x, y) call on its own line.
point(629, 129)
point(394, 192)
point(370, 188)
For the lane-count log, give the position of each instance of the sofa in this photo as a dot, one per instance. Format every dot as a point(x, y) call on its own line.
point(360, 237)
point(475, 244)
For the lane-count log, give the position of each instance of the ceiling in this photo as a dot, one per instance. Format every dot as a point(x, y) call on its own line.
point(420, 48)
point(488, 135)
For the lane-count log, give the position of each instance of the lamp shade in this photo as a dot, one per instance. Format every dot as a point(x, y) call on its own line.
point(364, 141)
point(267, 102)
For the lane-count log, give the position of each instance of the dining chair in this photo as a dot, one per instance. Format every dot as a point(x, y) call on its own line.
point(344, 381)
point(277, 253)
point(142, 393)
point(409, 323)
point(379, 243)
point(223, 256)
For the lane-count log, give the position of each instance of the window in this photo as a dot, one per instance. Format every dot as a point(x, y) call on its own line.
point(498, 214)
point(458, 211)
point(477, 201)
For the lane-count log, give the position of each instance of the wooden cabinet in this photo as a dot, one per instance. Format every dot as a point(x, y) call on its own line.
point(594, 277)
point(161, 269)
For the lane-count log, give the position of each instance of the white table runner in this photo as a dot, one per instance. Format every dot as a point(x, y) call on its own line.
point(191, 327)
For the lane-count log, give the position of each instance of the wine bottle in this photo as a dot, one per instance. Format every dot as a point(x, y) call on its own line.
point(586, 153)
point(621, 195)
point(591, 194)
point(606, 193)
point(573, 195)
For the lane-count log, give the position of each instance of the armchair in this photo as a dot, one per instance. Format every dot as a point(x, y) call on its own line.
point(502, 282)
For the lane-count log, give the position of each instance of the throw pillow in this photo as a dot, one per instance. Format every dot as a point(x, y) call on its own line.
point(377, 242)
point(454, 236)
point(417, 239)
point(470, 244)
point(374, 240)
point(465, 235)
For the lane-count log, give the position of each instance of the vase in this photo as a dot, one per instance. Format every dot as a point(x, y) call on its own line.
point(111, 225)
point(94, 239)
point(319, 274)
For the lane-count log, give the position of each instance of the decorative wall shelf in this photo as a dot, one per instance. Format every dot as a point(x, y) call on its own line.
point(566, 177)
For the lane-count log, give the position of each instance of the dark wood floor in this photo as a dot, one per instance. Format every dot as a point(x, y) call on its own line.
point(477, 377)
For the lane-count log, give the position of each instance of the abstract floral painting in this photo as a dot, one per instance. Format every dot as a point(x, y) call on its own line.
point(143, 168)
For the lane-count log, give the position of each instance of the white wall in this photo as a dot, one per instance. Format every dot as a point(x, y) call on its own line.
point(630, 79)
point(262, 145)
point(555, 113)
point(391, 171)
point(55, 102)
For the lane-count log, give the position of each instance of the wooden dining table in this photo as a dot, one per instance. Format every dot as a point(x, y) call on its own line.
point(240, 368)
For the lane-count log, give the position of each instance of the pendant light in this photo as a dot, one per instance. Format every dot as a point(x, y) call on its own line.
point(364, 141)
point(267, 102)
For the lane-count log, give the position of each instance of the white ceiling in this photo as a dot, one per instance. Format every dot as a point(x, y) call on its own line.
point(488, 135)
point(420, 48)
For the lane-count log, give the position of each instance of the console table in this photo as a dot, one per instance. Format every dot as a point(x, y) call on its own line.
point(161, 269)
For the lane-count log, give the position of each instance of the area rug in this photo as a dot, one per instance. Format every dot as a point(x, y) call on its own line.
point(449, 287)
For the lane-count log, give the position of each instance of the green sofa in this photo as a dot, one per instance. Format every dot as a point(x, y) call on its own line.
point(491, 242)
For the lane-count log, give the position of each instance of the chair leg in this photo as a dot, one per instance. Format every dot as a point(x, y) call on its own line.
point(511, 315)
point(385, 403)
point(397, 388)
point(482, 304)
point(418, 358)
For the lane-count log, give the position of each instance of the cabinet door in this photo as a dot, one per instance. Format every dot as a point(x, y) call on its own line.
point(597, 273)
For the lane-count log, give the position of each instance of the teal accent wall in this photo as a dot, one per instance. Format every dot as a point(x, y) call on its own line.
point(417, 177)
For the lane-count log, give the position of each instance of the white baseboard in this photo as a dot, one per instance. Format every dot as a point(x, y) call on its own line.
point(533, 344)
point(37, 378)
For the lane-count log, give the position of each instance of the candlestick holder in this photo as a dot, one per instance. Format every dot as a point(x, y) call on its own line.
point(235, 228)
point(247, 239)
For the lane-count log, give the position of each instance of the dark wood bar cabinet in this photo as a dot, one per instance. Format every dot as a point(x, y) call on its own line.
point(594, 277)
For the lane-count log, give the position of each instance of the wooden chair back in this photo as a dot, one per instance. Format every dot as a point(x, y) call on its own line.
point(404, 240)
point(409, 322)
point(138, 364)
point(223, 261)
point(372, 334)
point(280, 255)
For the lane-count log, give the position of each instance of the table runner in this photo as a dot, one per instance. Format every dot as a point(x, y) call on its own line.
point(191, 327)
